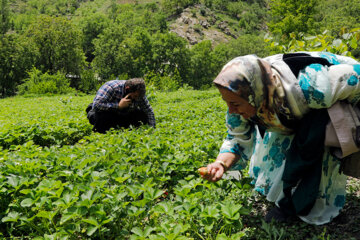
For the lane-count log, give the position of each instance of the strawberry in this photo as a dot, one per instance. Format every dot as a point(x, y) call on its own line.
point(203, 171)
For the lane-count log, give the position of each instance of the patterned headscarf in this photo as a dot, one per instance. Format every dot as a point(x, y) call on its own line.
point(254, 80)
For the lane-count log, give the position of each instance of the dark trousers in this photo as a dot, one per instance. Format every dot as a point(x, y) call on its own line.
point(104, 120)
point(303, 166)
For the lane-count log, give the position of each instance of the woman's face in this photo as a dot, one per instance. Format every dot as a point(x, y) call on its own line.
point(237, 104)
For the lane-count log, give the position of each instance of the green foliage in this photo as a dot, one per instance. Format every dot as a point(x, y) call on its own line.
point(335, 15)
point(39, 83)
point(92, 25)
point(248, 44)
point(4, 16)
point(252, 18)
point(132, 38)
point(130, 56)
point(106, 47)
point(176, 6)
point(164, 83)
point(170, 55)
point(134, 54)
point(88, 83)
point(43, 121)
point(54, 7)
point(292, 17)
point(111, 186)
point(59, 180)
point(219, 4)
point(59, 43)
point(201, 62)
point(344, 45)
point(17, 55)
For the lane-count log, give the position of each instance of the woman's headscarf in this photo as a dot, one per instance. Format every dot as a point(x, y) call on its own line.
point(254, 80)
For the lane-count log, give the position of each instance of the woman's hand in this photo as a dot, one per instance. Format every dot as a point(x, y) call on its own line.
point(215, 171)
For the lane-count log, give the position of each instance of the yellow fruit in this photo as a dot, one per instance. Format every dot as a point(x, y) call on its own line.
point(203, 171)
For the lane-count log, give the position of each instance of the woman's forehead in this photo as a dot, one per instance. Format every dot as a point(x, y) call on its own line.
point(230, 96)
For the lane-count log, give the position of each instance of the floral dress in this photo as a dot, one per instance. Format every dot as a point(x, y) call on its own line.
point(321, 86)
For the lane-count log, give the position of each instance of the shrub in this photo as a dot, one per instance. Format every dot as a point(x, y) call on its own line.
point(88, 83)
point(344, 45)
point(164, 83)
point(41, 83)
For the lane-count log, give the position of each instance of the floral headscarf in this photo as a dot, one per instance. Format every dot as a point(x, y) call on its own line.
point(254, 80)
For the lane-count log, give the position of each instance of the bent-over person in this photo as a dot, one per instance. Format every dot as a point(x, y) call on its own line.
point(276, 120)
point(120, 104)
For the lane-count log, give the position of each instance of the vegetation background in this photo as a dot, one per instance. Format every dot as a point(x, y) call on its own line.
point(63, 46)
point(58, 180)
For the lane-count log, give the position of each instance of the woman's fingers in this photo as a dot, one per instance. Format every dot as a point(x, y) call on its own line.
point(214, 172)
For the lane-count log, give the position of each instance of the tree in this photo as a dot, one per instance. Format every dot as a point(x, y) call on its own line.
point(170, 54)
point(59, 43)
point(289, 16)
point(134, 54)
point(334, 15)
point(106, 48)
point(176, 6)
point(17, 55)
point(92, 26)
point(4, 16)
point(202, 72)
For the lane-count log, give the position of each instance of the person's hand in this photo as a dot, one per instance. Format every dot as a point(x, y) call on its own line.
point(215, 171)
point(125, 102)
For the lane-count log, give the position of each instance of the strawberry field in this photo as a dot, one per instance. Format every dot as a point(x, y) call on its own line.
point(59, 180)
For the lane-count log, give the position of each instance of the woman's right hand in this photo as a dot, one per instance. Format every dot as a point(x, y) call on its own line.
point(215, 171)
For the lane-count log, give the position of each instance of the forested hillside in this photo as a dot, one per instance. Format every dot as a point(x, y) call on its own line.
point(62, 46)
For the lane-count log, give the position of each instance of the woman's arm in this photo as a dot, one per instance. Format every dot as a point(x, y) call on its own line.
point(236, 149)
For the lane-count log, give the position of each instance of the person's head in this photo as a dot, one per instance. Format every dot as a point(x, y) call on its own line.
point(135, 87)
point(236, 104)
point(242, 83)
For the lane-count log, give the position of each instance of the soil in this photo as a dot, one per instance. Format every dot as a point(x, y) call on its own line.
point(347, 224)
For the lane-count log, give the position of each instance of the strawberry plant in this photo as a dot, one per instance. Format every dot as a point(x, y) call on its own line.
point(59, 180)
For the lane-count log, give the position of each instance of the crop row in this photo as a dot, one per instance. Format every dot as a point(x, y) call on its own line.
point(137, 183)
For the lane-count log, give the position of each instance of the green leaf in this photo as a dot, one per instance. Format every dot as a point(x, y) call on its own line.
point(25, 191)
point(91, 221)
point(222, 236)
point(148, 230)
point(153, 194)
point(122, 179)
point(91, 230)
point(13, 181)
point(138, 232)
point(230, 210)
point(87, 195)
point(66, 217)
point(353, 43)
point(45, 214)
point(11, 217)
point(27, 202)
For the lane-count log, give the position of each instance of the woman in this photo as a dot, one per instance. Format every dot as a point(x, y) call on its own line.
point(276, 120)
